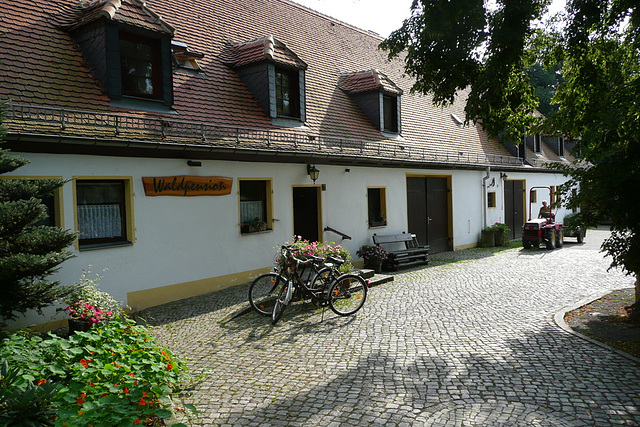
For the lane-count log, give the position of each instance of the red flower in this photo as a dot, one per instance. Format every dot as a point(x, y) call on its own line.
point(40, 382)
point(142, 401)
point(169, 366)
point(131, 374)
point(125, 390)
point(80, 401)
point(84, 362)
point(137, 421)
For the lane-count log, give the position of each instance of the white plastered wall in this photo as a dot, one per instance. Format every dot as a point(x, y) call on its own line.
point(185, 239)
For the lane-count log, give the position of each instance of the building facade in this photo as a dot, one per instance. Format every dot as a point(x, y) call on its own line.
point(198, 136)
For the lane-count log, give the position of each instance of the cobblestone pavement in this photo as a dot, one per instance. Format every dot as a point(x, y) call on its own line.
point(460, 343)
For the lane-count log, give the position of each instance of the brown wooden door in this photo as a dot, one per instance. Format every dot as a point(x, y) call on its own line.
point(514, 207)
point(428, 211)
point(306, 213)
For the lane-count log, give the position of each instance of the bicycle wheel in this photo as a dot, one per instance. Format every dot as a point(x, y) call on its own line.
point(323, 279)
point(347, 294)
point(263, 292)
point(280, 303)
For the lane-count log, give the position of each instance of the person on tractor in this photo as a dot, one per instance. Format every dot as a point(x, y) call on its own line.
point(545, 211)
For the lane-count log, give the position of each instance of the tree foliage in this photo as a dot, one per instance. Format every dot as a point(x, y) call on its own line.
point(28, 253)
point(451, 46)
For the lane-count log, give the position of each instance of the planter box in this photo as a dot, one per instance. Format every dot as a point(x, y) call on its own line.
point(500, 237)
point(487, 238)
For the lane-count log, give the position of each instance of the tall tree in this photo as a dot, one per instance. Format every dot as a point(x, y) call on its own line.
point(451, 46)
point(28, 253)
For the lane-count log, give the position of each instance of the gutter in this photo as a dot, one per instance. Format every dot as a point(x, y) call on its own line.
point(485, 214)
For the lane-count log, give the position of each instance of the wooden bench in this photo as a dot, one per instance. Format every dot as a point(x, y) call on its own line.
point(411, 252)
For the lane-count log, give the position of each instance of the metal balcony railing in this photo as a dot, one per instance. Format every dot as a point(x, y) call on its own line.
point(169, 131)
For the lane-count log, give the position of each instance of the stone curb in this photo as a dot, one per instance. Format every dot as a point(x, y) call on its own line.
point(558, 319)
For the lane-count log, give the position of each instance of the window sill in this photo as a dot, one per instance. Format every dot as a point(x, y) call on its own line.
point(96, 246)
point(288, 122)
point(377, 224)
point(141, 104)
point(247, 233)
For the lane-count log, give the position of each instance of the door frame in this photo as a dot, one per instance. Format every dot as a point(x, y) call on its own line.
point(318, 188)
point(449, 201)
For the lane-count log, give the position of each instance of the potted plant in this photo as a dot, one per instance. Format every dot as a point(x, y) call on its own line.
point(253, 225)
point(87, 305)
point(373, 256)
point(500, 232)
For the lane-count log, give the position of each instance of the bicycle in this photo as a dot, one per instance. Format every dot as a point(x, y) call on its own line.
point(265, 288)
point(345, 294)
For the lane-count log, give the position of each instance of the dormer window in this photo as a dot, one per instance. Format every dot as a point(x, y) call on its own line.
point(537, 143)
point(561, 146)
point(377, 96)
point(287, 93)
point(140, 66)
point(274, 75)
point(390, 113)
point(128, 48)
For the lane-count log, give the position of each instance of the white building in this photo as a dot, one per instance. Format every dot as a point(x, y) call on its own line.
point(241, 99)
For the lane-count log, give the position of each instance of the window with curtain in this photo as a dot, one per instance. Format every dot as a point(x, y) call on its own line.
point(254, 203)
point(101, 211)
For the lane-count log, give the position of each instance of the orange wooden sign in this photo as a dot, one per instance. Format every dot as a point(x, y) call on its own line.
point(187, 186)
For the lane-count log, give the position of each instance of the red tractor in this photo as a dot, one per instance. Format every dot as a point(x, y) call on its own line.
point(542, 229)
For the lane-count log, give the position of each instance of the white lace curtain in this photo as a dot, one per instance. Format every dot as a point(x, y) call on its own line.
point(99, 221)
point(250, 210)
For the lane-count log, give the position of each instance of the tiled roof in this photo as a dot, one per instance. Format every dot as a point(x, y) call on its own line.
point(264, 48)
point(40, 64)
point(367, 81)
point(129, 12)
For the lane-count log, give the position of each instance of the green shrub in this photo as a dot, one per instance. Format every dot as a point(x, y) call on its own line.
point(22, 402)
point(115, 374)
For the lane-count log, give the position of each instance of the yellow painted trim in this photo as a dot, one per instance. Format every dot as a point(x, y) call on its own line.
point(128, 200)
point(383, 201)
point(139, 300)
point(495, 201)
point(467, 246)
point(269, 191)
point(58, 200)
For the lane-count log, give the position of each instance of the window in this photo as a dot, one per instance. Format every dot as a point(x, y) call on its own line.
point(491, 199)
point(537, 143)
point(287, 93)
point(390, 113)
point(534, 196)
point(104, 212)
point(376, 201)
point(561, 146)
point(140, 66)
point(255, 205)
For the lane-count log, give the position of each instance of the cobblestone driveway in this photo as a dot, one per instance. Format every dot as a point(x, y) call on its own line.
point(456, 343)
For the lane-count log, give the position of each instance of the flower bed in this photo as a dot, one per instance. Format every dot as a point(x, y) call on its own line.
point(114, 374)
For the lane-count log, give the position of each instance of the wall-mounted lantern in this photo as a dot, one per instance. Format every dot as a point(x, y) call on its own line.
point(313, 172)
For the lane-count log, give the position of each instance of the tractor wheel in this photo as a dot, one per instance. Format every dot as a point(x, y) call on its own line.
point(560, 238)
point(551, 239)
point(526, 244)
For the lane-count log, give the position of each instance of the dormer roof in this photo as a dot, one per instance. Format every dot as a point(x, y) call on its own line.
point(265, 48)
point(128, 12)
point(367, 81)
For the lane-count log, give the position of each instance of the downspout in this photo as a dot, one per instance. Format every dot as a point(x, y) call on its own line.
point(485, 214)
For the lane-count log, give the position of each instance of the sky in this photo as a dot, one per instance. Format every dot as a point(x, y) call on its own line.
point(380, 16)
